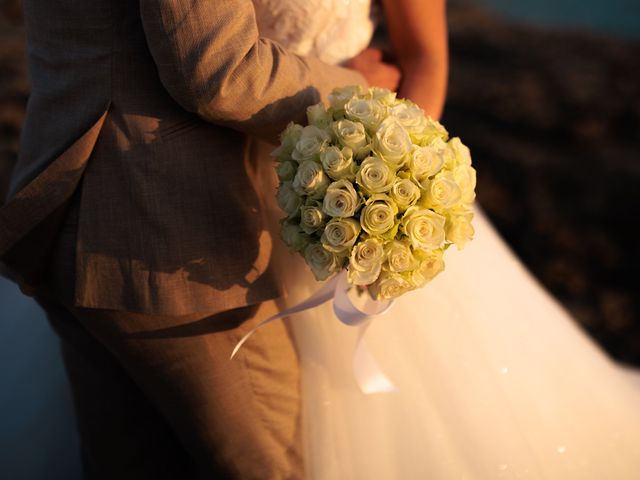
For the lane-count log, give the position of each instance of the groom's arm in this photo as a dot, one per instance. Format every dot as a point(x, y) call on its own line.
point(212, 61)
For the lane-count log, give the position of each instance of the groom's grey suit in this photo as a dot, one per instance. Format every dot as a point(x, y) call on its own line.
point(133, 193)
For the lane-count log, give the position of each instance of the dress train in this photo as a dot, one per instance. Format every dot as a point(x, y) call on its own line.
point(495, 379)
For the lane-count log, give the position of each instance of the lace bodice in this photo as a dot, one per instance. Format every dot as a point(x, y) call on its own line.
point(332, 30)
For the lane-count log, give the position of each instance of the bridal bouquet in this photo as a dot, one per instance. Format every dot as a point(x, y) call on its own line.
point(373, 186)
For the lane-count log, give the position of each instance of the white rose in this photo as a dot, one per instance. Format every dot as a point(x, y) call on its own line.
point(338, 163)
point(293, 236)
point(286, 170)
point(340, 199)
point(390, 285)
point(368, 112)
point(424, 228)
point(340, 234)
point(322, 262)
point(365, 262)
point(311, 217)
point(425, 162)
point(459, 229)
point(410, 116)
point(288, 139)
point(317, 115)
point(308, 147)
point(353, 135)
point(433, 131)
point(430, 265)
point(340, 96)
point(375, 175)
point(310, 180)
point(288, 200)
point(378, 217)
point(399, 256)
point(382, 95)
point(465, 177)
point(392, 142)
point(461, 152)
point(404, 192)
point(441, 192)
point(440, 149)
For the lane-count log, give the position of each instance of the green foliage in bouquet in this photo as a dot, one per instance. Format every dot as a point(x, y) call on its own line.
point(373, 185)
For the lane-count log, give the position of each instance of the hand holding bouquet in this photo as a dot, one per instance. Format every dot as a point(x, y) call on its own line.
point(374, 186)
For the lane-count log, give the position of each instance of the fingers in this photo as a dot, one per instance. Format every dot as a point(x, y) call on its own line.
point(368, 56)
point(373, 54)
point(393, 76)
point(377, 72)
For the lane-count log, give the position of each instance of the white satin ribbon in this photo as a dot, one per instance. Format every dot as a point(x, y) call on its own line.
point(366, 371)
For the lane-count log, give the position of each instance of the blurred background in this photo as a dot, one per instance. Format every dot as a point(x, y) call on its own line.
point(546, 94)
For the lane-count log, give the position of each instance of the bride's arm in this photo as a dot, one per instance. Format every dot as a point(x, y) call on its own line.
point(418, 36)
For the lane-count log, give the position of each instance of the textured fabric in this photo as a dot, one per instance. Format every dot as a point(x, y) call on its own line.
point(317, 27)
point(30, 221)
point(157, 397)
point(168, 216)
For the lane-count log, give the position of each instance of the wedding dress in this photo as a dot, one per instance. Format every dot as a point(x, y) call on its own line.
point(494, 378)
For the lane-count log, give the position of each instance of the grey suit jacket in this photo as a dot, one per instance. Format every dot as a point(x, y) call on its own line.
point(147, 107)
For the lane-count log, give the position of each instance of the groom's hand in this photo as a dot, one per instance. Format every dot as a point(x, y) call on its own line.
point(375, 70)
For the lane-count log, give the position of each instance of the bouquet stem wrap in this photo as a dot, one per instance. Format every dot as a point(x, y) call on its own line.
point(367, 373)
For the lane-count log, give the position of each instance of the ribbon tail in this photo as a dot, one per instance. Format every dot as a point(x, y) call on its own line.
point(324, 294)
point(366, 371)
point(368, 374)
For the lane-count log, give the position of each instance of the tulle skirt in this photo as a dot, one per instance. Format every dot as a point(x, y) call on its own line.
point(495, 379)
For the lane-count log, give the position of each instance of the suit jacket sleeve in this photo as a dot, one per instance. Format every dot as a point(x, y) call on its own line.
point(213, 62)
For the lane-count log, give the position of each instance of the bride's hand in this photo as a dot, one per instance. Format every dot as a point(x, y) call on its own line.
point(418, 37)
point(375, 70)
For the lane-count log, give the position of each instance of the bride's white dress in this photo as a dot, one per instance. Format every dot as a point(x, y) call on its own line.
point(495, 379)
